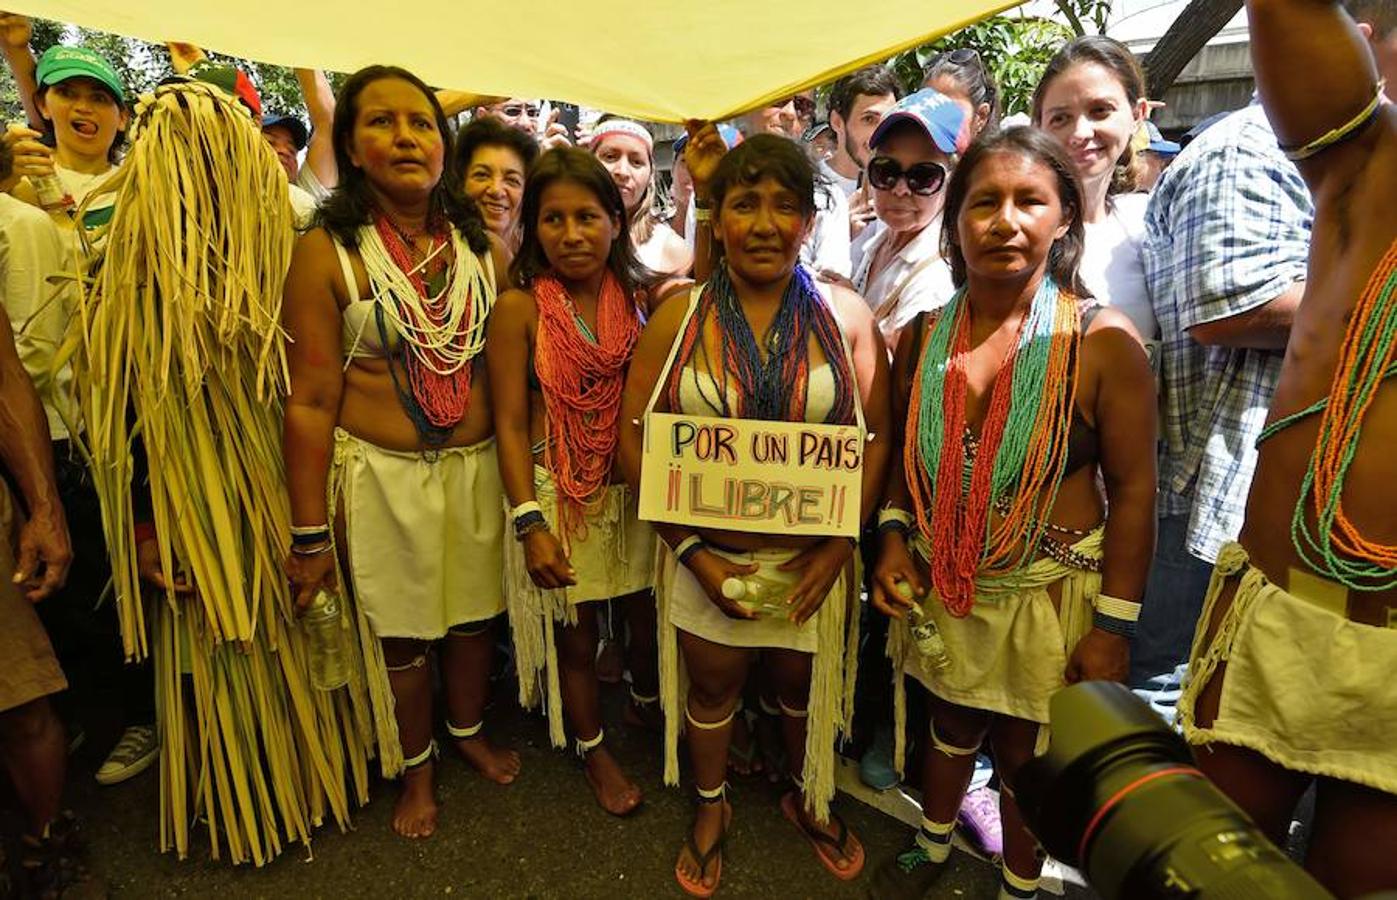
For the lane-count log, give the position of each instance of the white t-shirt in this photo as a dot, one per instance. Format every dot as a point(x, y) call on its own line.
point(915, 280)
point(32, 249)
point(1112, 268)
point(847, 185)
point(303, 204)
point(79, 185)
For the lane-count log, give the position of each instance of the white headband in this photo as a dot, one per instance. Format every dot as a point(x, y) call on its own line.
point(622, 126)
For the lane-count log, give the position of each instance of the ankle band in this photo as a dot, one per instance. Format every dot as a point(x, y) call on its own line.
point(935, 839)
point(642, 700)
point(1017, 887)
point(463, 733)
point(426, 756)
point(708, 726)
point(711, 795)
point(768, 708)
point(587, 746)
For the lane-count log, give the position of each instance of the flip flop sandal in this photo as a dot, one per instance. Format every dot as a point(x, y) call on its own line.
point(790, 805)
point(714, 855)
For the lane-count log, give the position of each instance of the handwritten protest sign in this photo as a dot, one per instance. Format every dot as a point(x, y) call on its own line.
point(747, 475)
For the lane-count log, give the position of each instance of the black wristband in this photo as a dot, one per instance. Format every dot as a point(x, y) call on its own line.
point(1113, 625)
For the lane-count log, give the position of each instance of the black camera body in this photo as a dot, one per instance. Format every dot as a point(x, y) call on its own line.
point(1117, 795)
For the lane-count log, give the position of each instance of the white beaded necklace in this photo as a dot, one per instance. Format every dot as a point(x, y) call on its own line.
point(432, 326)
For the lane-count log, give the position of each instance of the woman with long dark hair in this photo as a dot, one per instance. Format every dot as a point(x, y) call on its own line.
point(388, 427)
point(761, 340)
point(1015, 572)
point(558, 352)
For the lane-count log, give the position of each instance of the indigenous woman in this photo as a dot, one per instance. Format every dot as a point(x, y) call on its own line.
point(558, 351)
point(627, 150)
point(389, 418)
point(760, 341)
point(494, 158)
point(1092, 99)
point(1291, 680)
point(1020, 398)
point(914, 148)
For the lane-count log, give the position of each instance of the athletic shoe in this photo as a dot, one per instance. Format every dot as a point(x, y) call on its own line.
point(979, 820)
point(876, 766)
point(138, 748)
point(907, 876)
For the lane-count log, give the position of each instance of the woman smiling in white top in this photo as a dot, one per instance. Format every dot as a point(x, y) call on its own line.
point(1092, 99)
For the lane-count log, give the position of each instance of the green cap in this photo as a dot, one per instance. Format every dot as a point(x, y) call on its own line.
point(61, 62)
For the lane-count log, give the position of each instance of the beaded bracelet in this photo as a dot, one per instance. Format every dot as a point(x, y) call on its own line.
point(1115, 615)
point(523, 509)
point(300, 550)
point(890, 518)
point(688, 547)
point(310, 538)
point(529, 521)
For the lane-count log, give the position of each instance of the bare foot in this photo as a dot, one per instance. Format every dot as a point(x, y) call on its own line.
point(415, 813)
point(495, 763)
point(711, 821)
point(616, 793)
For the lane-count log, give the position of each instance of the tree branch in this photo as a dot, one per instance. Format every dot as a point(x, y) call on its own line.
point(1195, 26)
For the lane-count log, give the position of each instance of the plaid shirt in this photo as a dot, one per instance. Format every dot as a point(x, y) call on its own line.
point(1227, 230)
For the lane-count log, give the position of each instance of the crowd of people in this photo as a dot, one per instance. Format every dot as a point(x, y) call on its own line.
point(1113, 390)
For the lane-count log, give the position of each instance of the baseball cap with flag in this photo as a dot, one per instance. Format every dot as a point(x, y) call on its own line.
point(939, 116)
point(231, 79)
point(61, 62)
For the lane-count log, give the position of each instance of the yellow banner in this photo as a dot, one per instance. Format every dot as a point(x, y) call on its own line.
point(748, 475)
point(663, 61)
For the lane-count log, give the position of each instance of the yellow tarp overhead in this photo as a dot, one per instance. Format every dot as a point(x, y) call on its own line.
point(662, 60)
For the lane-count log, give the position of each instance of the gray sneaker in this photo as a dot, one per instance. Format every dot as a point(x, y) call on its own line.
point(138, 748)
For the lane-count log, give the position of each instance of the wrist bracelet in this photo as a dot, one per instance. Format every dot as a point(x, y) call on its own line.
point(1115, 615)
point(1116, 608)
point(688, 547)
point(312, 551)
point(306, 540)
point(1113, 625)
point(523, 509)
point(305, 530)
point(524, 529)
point(893, 514)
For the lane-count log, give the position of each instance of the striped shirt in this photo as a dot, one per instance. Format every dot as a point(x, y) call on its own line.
point(1227, 231)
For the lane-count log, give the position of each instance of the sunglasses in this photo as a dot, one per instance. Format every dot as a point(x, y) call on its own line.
point(515, 110)
point(923, 178)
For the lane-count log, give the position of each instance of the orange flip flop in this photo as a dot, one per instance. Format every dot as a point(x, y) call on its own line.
point(845, 843)
point(714, 855)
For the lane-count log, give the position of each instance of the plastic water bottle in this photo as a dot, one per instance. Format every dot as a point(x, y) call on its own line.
point(52, 195)
point(764, 593)
point(926, 637)
point(329, 658)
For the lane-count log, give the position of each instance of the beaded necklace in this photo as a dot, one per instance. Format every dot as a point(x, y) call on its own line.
point(582, 376)
point(438, 300)
point(1022, 443)
point(771, 386)
point(1334, 546)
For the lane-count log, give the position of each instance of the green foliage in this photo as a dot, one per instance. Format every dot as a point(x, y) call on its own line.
point(1016, 48)
point(1086, 16)
point(143, 64)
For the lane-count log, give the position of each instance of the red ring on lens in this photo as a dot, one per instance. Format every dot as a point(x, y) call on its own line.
point(1120, 795)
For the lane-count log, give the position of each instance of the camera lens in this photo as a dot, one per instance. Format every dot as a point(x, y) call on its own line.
point(1117, 796)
